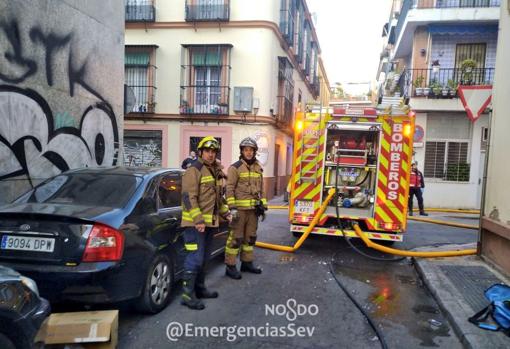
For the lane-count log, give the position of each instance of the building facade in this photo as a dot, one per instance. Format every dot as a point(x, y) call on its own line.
point(230, 69)
point(495, 235)
point(61, 67)
point(432, 46)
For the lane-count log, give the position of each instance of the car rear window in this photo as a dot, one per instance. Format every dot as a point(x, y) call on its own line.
point(88, 189)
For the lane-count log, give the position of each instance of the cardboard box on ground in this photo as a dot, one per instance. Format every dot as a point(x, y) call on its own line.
point(86, 329)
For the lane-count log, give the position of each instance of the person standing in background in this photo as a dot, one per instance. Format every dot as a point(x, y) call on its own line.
point(416, 186)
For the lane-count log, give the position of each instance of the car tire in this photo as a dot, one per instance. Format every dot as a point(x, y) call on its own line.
point(5, 342)
point(158, 286)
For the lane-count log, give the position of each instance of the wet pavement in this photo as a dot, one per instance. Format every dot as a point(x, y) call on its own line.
point(390, 292)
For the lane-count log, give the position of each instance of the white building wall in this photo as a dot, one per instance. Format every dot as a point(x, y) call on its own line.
point(498, 171)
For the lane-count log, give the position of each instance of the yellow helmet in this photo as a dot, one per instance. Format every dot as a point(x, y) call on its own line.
point(209, 142)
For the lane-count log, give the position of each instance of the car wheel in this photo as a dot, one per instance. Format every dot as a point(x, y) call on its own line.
point(158, 285)
point(6, 343)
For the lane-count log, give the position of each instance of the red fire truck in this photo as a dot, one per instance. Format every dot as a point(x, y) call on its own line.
point(366, 155)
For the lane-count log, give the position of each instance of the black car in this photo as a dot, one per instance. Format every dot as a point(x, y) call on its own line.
point(100, 235)
point(22, 311)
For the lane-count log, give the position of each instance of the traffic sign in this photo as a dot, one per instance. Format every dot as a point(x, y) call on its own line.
point(475, 99)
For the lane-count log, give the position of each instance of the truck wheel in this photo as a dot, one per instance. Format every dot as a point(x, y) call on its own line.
point(158, 286)
point(297, 234)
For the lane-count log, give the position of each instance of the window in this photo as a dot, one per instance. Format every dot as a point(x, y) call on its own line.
point(139, 70)
point(170, 191)
point(142, 148)
point(287, 12)
point(87, 189)
point(193, 144)
point(447, 148)
point(139, 10)
point(205, 79)
point(298, 30)
point(207, 10)
point(485, 138)
point(285, 91)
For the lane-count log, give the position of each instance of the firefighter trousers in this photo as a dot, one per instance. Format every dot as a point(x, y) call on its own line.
point(242, 236)
point(198, 248)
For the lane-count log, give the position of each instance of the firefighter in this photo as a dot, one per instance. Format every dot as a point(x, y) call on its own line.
point(416, 186)
point(247, 201)
point(202, 206)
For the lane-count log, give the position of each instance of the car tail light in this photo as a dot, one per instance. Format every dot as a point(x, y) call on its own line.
point(104, 244)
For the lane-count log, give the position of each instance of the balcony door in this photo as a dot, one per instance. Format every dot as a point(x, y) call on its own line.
point(208, 91)
point(476, 52)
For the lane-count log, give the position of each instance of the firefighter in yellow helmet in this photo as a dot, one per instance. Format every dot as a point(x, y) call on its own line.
point(247, 201)
point(202, 206)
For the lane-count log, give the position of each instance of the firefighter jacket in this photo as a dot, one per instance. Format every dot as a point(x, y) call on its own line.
point(202, 195)
point(245, 186)
point(416, 180)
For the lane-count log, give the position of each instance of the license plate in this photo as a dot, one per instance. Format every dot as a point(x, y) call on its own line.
point(304, 207)
point(27, 243)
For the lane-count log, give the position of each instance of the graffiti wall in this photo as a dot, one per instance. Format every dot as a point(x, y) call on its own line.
point(61, 89)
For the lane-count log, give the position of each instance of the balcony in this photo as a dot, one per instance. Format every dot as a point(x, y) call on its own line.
point(416, 13)
point(443, 82)
point(139, 10)
point(207, 11)
point(420, 4)
point(204, 100)
point(140, 76)
point(284, 116)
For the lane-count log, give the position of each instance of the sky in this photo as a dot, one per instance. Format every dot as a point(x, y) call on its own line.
point(349, 34)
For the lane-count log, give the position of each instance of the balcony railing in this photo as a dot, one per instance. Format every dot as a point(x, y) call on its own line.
point(140, 10)
point(284, 111)
point(204, 100)
point(422, 4)
point(213, 10)
point(442, 82)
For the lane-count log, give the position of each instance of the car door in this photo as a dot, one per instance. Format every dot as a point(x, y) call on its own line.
point(170, 213)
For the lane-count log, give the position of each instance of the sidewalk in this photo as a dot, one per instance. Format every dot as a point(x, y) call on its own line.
point(277, 201)
point(458, 284)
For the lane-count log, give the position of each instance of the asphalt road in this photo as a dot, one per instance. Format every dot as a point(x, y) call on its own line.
point(259, 311)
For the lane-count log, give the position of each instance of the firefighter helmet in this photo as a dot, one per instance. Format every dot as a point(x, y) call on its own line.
point(248, 142)
point(209, 142)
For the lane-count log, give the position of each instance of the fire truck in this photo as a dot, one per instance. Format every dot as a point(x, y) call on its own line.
point(366, 154)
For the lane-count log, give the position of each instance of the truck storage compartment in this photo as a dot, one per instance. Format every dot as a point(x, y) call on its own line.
point(351, 160)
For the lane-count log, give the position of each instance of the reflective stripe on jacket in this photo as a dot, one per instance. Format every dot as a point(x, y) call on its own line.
point(245, 185)
point(202, 195)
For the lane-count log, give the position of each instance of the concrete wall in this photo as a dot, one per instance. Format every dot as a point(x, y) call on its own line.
point(448, 194)
point(61, 88)
point(498, 194)
point(495, 232)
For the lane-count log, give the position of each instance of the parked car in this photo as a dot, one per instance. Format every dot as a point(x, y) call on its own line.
point(22, 311)
point(100, 235)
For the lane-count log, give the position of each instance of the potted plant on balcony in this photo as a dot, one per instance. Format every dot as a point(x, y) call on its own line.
point(435, 66)
point(445, 91)
point(183, 108)
point(452, 85)
point(467, 66)
point(417, 85)
point(436, 88)
point(396, 91)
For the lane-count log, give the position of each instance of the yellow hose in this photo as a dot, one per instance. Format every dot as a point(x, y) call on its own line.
point(307, 231)
point(434, 221)
point(450, 210)
point(394, 251)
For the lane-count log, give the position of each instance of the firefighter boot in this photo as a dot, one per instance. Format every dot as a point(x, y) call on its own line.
point(423, 213)
point(249, 267)
point(201, 290)
point(232, 272)
point(188, 292)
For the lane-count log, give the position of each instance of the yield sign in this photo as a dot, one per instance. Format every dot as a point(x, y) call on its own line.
point(475, 99)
